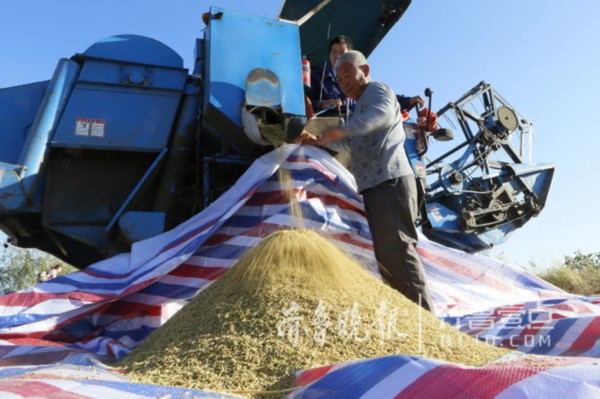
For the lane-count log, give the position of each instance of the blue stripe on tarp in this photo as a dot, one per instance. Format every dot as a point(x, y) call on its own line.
point(8, 372)
point(524, 280)
point(138, 334)
point(355, 380)
point(172, 291)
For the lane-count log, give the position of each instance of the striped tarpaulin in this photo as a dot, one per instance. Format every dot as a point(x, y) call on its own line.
point(409, 377)
point(105, 311)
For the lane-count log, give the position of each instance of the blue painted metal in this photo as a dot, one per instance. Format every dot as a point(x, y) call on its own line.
point(471, 242)
point(18, 106)
point(131, 106)
point(137, 226)
point(216, 159)
point(35, 148)
point(443, 219)
point(199, 57)
point(122, 96)
point(50, 111)
point(237, 44)
point(135, 190)
point(136, 50)
point(537, 177)
point(481, 190)
point(182, 148)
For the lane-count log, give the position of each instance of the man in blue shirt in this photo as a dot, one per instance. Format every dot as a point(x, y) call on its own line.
point(374, 135)
point(325, 91)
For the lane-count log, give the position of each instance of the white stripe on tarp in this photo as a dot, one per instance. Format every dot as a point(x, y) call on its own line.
point(574, 381)
point(397, 381)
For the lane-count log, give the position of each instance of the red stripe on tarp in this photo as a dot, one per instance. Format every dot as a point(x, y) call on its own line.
point(29, 299)
point(203, 272)
point(37, 389)
point(571, 307)
point(347, 238)
point(130, 310)
point(586, 340)
point(308, 376)
point(454, 382)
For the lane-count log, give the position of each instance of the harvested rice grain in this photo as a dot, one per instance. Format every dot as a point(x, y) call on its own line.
point(294, 301)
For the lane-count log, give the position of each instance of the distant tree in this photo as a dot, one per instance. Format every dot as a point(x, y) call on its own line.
point(19, 273)
point(582, 261)
point(20, 269)
point(578, 274)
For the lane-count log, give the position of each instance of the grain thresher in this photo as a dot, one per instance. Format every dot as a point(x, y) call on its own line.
point(123, 142)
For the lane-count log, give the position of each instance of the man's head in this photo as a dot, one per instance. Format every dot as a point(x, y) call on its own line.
point(353, 73)
point(338, 46)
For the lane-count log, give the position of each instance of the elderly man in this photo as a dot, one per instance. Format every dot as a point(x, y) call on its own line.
point(375, 138)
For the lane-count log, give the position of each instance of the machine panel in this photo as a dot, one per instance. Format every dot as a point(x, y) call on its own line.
point(237, 45)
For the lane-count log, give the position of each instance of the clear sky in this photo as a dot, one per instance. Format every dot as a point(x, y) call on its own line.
point(543, 56)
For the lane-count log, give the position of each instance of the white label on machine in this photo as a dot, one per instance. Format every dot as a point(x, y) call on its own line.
point(90, 127)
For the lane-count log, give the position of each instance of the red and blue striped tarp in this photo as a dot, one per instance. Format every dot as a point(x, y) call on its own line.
point(100, 314)
point(409, 377)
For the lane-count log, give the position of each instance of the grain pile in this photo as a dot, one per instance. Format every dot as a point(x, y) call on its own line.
point(294, 301)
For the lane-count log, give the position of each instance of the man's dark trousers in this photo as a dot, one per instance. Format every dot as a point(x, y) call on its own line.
point(391, 209)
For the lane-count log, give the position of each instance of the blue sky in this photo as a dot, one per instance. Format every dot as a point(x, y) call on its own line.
point(543, 56)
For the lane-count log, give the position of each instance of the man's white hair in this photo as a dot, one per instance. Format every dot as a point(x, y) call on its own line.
point(351, 57)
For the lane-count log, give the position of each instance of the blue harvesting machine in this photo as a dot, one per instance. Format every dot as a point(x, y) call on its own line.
point(123, 142)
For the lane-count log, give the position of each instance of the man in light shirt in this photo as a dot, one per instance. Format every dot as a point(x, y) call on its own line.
point(374, 135)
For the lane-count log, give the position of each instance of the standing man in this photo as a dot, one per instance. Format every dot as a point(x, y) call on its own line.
point(374, 135)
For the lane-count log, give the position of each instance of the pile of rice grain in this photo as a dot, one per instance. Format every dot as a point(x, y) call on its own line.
point(294, 301)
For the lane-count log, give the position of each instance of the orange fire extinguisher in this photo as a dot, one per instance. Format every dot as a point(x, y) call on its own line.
point(305, 71)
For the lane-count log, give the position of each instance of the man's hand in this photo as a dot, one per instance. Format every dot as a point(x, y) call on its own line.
point(416, 100)
point(329, 135)
point(330, 103)
point(306, 138)
point(422, 120)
